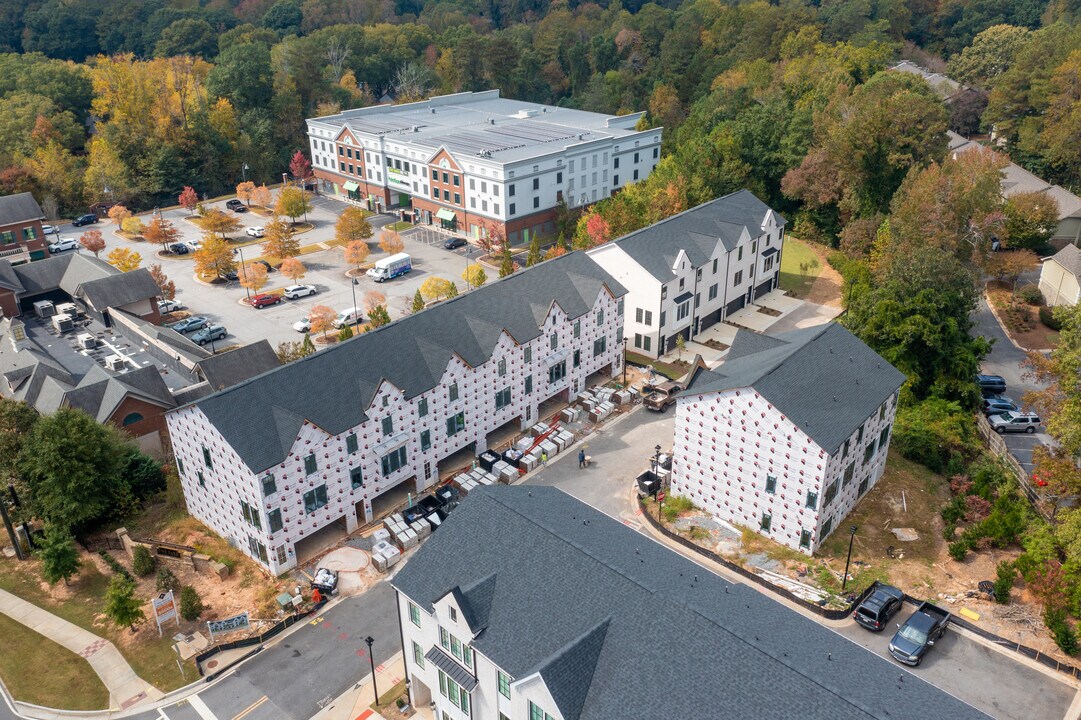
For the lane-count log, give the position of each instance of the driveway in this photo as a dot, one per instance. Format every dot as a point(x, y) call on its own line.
point(1005, 358)
point(981, 676)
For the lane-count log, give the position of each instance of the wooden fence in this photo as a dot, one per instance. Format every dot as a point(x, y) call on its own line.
point(1045, 504)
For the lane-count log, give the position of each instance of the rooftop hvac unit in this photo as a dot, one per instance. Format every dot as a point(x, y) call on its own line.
point(63, 323)
point(69, 309)
point(87, 341)
point(115, 362)
point(44, 308)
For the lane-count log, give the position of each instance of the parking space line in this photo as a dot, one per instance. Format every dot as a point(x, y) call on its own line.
point(200, 707)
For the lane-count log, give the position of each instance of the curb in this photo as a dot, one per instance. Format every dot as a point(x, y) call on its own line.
point(1002, 327)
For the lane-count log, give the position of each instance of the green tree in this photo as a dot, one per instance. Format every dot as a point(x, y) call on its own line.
point(17, 419)
point(72, 467)
point(59, 556)
point(121, 605)
point(418, 302)
point(187, 36)
point(142, 562)
point(506, 264)
point(1031, 220)
point(990, 54)
point(191, 605)
point(378, 316)
point(243, 74)
point(534, 255)
point(474, 275)
point(167, 581)
point(1059, 404)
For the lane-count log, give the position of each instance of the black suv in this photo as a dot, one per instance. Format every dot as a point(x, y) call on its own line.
point(179, 249)
point(877, 609)
point(236, 206)
point(88, 219)
point(991, 383)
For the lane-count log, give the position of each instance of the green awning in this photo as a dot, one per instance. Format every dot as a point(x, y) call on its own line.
point(444, 214)
point(351, 186)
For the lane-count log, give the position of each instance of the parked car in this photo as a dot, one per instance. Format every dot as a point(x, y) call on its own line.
point(88, 219)
point(236, 206)
point(350, 316)
point(64, 243)
point(231, 275)
point(264, 300)
point(187, 325)
point(168, 306)
point(998, 405)
point(455, 242)
point(179, 249)
point(265, 264)
point(256, 231)
point(994, 383)
point(303, 325)
point(659, 397)
point(50, 230)
point(913, 639)
point(877, 609)
point(194, 244)
point(1015, 422)
point(213, 332)
point(294, 292)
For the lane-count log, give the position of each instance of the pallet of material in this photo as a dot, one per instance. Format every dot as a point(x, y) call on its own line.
point(508, 474)
point(422, 528)
point(550, 447)
point(529, 462)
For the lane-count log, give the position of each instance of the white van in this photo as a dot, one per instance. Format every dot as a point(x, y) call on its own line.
point(349, 316)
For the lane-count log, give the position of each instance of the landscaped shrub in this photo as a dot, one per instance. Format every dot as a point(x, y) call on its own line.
point(1006, 572)
point(191, 605)
point(936, 433)
point(114, 565)
point(167, 581)
point(142, 562)
point(1030, 294)
point(674, 505)
point(954, 511)
point(345, 333)
point(959, 549)
point(1047, 317)
point(1064, 635)
point(949, 533)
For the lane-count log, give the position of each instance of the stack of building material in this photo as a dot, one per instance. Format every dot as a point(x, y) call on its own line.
point(381, 535)
point(524, 443)
point(603, 394)
point(422, 528)
point(529, 462)
point(623, 397)
point(565, 438)
point(549, 447)
point(385, 555)
point(571, 414)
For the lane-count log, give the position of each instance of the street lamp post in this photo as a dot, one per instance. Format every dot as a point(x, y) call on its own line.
point(371, 658)
point(353, 288)
point(244, 172)
point(851, 537)
point(624, 362)
point(657, 474)
point(240, 249)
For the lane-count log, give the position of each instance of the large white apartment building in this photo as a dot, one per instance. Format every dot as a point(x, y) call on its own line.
point(530, 605)
point(694, 269)
point(338, 437)
point(787, 434)
point(472, 160)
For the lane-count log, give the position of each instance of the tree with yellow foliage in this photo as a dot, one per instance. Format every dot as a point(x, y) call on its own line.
point(124, 260)
point(215, 257)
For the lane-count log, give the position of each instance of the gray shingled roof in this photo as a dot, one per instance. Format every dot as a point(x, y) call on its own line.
point(824, 379)
point(100, 393)
point(260, 418)
point(696, 232)
point(8, 278)
point(19, 208)
point(619, 626)
point(119, 290)
point(229, 368)
point(1069, 258)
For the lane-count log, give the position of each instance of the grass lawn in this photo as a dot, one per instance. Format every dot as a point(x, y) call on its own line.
point(38, 671)
point(154, 659)
point(400, 225)
point(669, 370)
point(796, 253)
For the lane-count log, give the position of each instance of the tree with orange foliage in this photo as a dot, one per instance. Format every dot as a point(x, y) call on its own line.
point(373, 299)
point(167, 286)
point(245, 190)
point(188, 199)
point(391, 242)
point(253, 277)
point(118, 214)
point(161, 232)
point(356, 253)
point(93, 241)
point(292, 269)
point(322, 319)
point(261, 196)
point(216, 221)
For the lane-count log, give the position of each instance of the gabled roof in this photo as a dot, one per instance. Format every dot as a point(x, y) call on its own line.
point(19, 208)
point(118, 290)
point(228, 368)
point(697, 232)
point(1069, 258)
point(8, 279)
point(823, 379)
point(475, 602)
point(619, 626)
point(332, 388)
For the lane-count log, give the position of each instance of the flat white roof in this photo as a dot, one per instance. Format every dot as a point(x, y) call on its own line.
point(484, 126)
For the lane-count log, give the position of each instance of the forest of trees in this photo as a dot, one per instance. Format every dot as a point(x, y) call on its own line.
point(131, 100)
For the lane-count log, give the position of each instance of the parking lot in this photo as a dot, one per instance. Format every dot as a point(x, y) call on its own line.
point(999, 684)
point(225, 304)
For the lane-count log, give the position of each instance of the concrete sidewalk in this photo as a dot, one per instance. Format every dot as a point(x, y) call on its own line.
point(126, 689)
point(355, 703)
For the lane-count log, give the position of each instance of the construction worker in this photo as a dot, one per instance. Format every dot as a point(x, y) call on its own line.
point(582, 458)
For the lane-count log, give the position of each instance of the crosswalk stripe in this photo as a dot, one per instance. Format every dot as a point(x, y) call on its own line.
point(200, 707)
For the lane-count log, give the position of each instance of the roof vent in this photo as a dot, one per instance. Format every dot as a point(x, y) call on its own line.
point(491, 121)
point(431, 110)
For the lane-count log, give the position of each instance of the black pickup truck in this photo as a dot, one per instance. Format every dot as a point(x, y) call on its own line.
point(912, 640)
